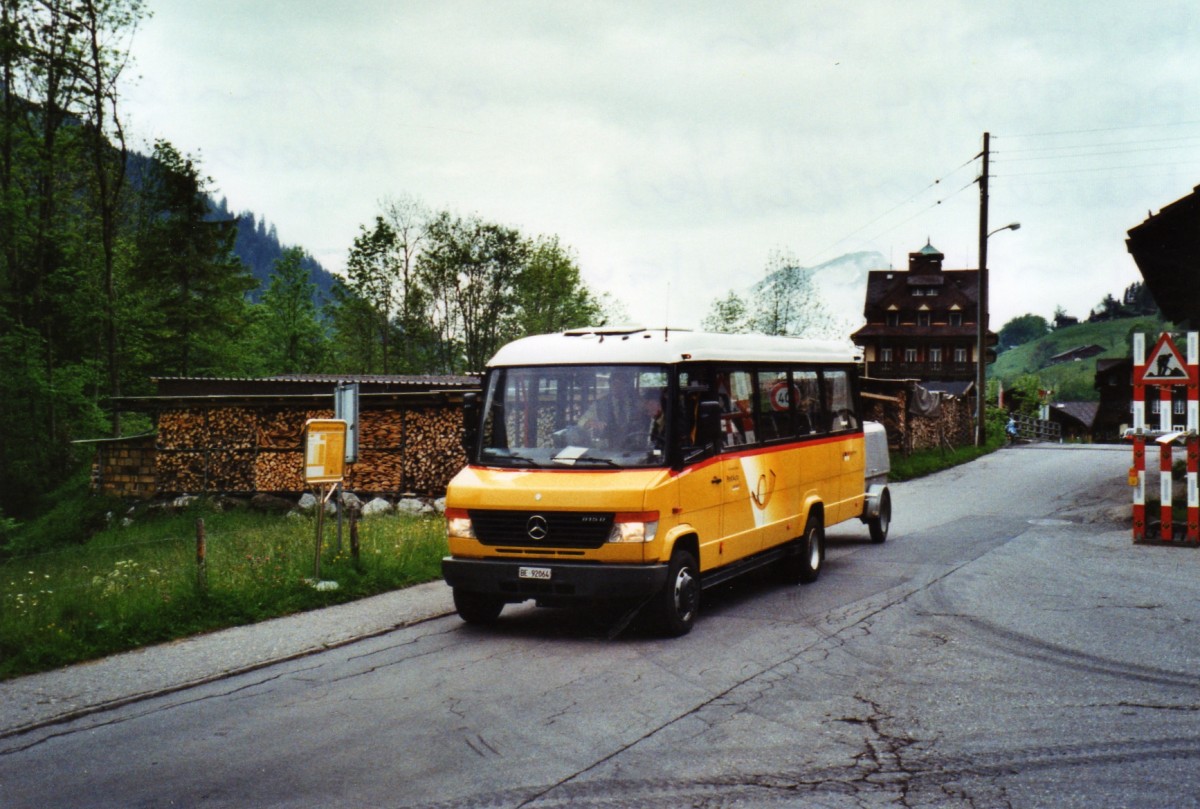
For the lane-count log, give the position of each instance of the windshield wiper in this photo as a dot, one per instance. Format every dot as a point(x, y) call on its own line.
point(492, 455)
point(588, 459)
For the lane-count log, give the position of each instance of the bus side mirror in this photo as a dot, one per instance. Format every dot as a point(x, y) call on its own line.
point(708, 427)
point(470, 422)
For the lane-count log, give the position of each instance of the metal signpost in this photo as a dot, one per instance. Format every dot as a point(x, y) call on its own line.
point(324, 468)
point(345, 408)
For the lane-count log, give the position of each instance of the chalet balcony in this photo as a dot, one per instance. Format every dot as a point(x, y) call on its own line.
point(944, 371)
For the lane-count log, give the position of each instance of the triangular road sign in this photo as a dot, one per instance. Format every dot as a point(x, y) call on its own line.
point(1166, 365)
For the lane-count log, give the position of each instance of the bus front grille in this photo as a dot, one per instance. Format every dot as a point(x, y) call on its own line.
point(542, 529)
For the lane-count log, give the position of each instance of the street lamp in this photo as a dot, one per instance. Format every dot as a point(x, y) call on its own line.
point(982, 328)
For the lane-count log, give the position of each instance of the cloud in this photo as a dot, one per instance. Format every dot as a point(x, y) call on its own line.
point(675, 146)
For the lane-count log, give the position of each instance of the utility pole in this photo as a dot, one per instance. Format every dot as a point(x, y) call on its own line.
point(982, 315)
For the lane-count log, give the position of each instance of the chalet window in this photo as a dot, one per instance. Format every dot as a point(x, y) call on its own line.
point(922, 318)
point(885, 355)
point(893, 318)
point(960, 355)
point(910, 355)
point(956, 318)
point(935, 355)
point(1178, 407)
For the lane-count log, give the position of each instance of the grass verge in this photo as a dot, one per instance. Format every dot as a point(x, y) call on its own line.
point(138, 584)
point(927, 461)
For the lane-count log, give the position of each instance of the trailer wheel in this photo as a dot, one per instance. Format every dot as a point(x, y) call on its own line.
point(477, 608)
point(676, 605)
point(879, 524)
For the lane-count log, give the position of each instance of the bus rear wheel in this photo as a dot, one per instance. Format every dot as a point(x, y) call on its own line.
point(879, 524)
point(804, 563)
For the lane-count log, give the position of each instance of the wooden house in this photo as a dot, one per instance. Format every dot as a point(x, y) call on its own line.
point(922, 322)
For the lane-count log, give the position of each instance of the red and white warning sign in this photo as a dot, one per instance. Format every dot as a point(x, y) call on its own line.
point(1166, 365)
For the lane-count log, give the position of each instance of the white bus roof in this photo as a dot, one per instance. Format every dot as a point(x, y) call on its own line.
point(617, 345)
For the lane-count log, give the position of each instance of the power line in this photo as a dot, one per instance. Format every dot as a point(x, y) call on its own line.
point(897, 207)
point(1100, 129)
point(1094, 169)
point(1097, 154)
point(1095, 145)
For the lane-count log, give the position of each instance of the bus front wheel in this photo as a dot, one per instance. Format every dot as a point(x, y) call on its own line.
point(477, 608)
point(676, 605)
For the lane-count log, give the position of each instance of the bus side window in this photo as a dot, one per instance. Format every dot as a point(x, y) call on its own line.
point(773, 405)
point(810, 416)
point(695, 388)
point(736, 393)
point(841, 400)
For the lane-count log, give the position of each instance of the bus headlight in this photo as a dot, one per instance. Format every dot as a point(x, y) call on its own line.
point(634, 526)
point(458, 524)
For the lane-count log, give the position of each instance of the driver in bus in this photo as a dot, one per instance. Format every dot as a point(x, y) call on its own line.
point(614, 414)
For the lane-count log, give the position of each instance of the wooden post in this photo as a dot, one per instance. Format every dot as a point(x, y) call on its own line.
point(201, 556)
point(320, 533)
point(354, 535)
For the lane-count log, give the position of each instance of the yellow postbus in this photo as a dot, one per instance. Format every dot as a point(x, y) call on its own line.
point(638, 467)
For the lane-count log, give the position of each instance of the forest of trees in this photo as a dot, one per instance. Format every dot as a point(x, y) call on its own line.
point(116, 268)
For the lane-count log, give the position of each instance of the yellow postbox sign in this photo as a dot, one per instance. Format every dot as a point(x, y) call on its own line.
point(324, 450)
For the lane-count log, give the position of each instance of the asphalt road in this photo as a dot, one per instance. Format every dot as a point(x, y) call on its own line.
point(1008, 646)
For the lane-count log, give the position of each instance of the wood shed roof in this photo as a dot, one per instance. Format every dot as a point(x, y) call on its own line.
point(297, 389)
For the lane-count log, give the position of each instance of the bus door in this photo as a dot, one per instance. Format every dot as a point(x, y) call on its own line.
point(701, 480)
point(739, 525)
point(819, 460)
point(851, 454)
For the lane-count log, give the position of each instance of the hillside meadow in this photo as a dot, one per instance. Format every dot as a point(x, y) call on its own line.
point(1074, 381)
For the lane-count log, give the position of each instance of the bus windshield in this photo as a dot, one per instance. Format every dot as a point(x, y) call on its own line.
point(581, 416)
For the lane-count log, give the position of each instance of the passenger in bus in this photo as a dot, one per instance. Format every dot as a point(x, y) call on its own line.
point(652, 409)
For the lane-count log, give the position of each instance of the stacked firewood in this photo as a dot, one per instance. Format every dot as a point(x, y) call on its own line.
point(244, 449)
point(279, 471)
point(433, 448)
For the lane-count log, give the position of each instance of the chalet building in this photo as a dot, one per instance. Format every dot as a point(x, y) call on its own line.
point(922, 324)
point(1076, 420)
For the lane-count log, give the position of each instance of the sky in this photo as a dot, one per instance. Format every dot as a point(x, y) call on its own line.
point(676, 146)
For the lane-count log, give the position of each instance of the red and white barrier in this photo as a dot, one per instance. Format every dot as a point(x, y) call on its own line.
point(1166, 369)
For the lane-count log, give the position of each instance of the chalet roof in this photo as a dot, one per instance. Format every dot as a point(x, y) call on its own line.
point(895, 287)
point(1115, 365)
point(1082, 412)
point(1078, 352)
point(1166, 249)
